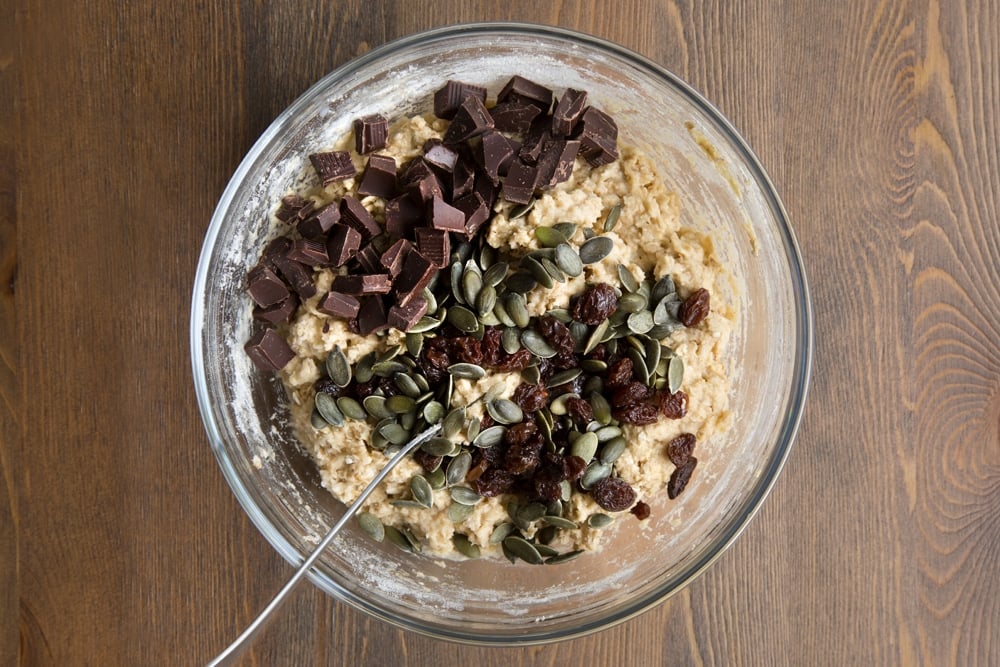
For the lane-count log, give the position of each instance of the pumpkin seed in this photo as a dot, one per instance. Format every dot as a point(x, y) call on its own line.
point(593, 384)
point(463, 319)
point(537, 271)
point(596, 336)
point(371, 525)
point(407, 385)
point(559, 522)
point(326, 405)
point(489, 437)
point(560, 314)
point(532, 375)
point(640, 322)
point(588, 233)
point(472, 282)
point(567, 229)
point(517, 308)
point(549, 237)
point(379, 441)
point(523, 549)
point(433, 412)
point(627, 280)
point(562, 377)
point(564, 557)
point(467, 371)
point(390, 354)
point(494, 275)
point(456, 281)
point(568, 261)
point(558, 406)
point(351, 408)
point(400, 404)
point(501, 532)
point(675, 374)
point(594, 473)
point(505, 411)
point(394, 536)
point(521, 210)
point(458, 468)
point(317, 421)
point(395, 433)
point(463, 495)
point(389, 368)
point(485, 301)
point(554, 508)
point(520, 282)
point(593, 366)
point(510, 338)
point(438, 446)
point(549, 534)
point(606, 433)
point(638, 364)
point(601, 407)
point(653, 353)
point(363, 369)
point(661, 331)
point(414, 344)
point(596, 249)
point(472, 429)
point(436, 478)
point(632, 303)
point(536, 344)
point(662, 288)
point(565, 491)
point(423, 325)
point(585, 446)
point(453, 423)
point(613, 449)
point(337, 367)
point(411, 538)
point(553, 270)
point(600, 520)
point(531, 512)
point(612, 219)
point(487, 255)
point(464, 546)
point(408, 420)
point(458, 513)
point(407, 504)
point(421, 490)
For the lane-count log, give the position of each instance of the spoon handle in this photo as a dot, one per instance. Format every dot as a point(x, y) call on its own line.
point(260, 622)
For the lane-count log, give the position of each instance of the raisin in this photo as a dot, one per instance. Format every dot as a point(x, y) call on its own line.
point(564, 360)
point(573, 467)
point(619, 372)
point(633, 392)
point(327, 386)
point(523, 458)
point(695, 308)
point(492, 346)
point(572, 387)
point(493, 482)
point(639, 414)
point(530, 398)
point(580, 411)
point(518, 434)
point(595, 305)
point(675, 405)
point(679, 478)
point(557, 335)
point(546, 489)
point(613, 494)
point(364, 389)
point(680, 448)
point(467, 349)
point(486, 422)
point(516, 362)
point(428, 462)
point(600, 353)
point(640, 510)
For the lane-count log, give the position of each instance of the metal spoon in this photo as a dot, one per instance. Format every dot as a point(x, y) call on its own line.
point(260, 622)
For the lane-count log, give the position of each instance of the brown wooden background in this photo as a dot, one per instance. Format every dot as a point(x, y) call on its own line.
point(120, 124)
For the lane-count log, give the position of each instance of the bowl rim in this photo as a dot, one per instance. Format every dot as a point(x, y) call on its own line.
point(799, 380)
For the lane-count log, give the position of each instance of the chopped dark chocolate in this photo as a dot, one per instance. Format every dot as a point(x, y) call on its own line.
point(277, 313)
point(435, 245)
point(492, 152)
point(556, 162)
point(598, 136)
point(370, 133)
point(305, 211)
point(462, 179)
point(519, 186)
point(440, 156)
point(392, 259)
point(372, 317)
point(339, 305)
point(443, 215)
point(368, 257)
point(568, 110)
point(332, 166)
point(525, 91)
point(373, 283)
point(311, 252)
point(268, 350)
point(448, 99)
point(564, 165)
point(416, 275)
point(320, 222)
point(354, 214)
point(420, 180)
point(402, 214)
point(343, 244)
point(514, 116)
point(264, 287)
point(298, 276)
point(475, 210)
point(290, 206)
point(379, 178)
point(485, 188)
point(471, 120)
point(404, 317)
point(534, 140)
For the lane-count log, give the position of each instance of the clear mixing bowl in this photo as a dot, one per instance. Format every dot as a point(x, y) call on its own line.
point(723, 189)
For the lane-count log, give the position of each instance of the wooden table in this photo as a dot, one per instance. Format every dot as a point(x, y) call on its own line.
point(120, 124)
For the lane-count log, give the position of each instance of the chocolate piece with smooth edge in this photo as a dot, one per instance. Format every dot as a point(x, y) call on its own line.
point(311, 252)
point(404, 317)
point(343, 244)
point(339, 305)
point(289, 208)
point(370, 133)
point(514, 116)
point(492, 152)
point(476, 212)
point(392, 259)
point(440, 157)
point(368, 257)
point(519, 186)
point(564, 165)
point(525, 91)
point(379, 178)
point(556, 162)
point(374, 283)
point(402, 214)
point(354, 214)
point(598, 135)
point(416, 275)
point(372, 317)
point(320, 222)
point(485, 188)
point(568, 110)
point(298, 276)
point(265, 287)
point(533, 142)
point(443, 215)
point(420, 181)
point(435, 245)
point(448, 99)
point(462, 179)
point(471, 120)
point(277, 313)
point(268, 350)
point(332, 166)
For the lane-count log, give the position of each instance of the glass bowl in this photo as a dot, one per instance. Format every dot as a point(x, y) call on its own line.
point(723, 190)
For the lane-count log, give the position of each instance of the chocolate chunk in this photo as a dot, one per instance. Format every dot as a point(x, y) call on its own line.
point(277, 313)
point(439, 156)
point(445, 216)
point(354, 214)
point(568, 110)
point(305, 211)
point(471, 120)
point(372, 317)
point(339, 305)
point(268, 350)
point(392, 259)
point(533, 142)
point(492, 152)
point(420, 180)
point(598, 136)
point(514, 116)
point(320, 222)
point(402, 214)
point(450, 98)
point(435, 245)
point(264, 287)
point(475, 210)
point(379, 178)
point(486, 189)
point(462, 179)
point(519, 186)
point(404, 317)
point(309, 252)
point(343, 244)
point(333, 166)
point(376, 283)
point(564, 165)
point(296, 275)
point(370, 133)
point(290, 206)
point(556, 162)
point(525, 91)
point(368, 257)
point(416, 275)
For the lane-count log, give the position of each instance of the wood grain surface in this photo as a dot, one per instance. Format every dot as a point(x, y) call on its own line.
point(879, 122)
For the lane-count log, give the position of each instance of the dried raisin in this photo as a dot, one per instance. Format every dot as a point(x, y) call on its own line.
point(640, 510)
point(613, 494)
point(428, 462)
point(680, 448)
point(633, 392)
point(327, 386)
point(530, 398)
point(493, 482)
point(639, 414)
point(580, 411)
point(675, 405)
point(695, 308)
point(680, 477)
point(467, 349)
point(595, 305)
point(619, 372)
point(557, 335)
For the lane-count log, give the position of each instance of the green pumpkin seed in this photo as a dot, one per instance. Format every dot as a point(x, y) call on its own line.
point(663, 288)
point(675, 374)
point(564, 557)
point(463, 319)
point(517, 308)
point(520, 282)
point(549, 237)
point(521, 210)
point(432, 303)
point(560, 522)
point(326, 406)
point(494, 275)
point(379, 441)
point(536, 344)
point(389, 368)
point(317, 421)
point(562, 377)
point(613, 449)
point(372, 526)
point(505, 411)
point(510, 339)
point(585, 446)
point(414, 344)
point(407, 385)
point(489, 437)
point(565, 491)
point(653, 353)
point(395, 433)
point(458, 468)
point(558, 407)
point(628, 281)
point(606, 433)
point(594, 473)
point(593, 366)
point(601, 407)
point(640, 322)
point(661, 331)
point(433, 412)
point(457, 271)
point(408, 420)
point(411, 538)
point(531, 512)
point(437, 478)
point(532, 375)
point(596, 249)
point(554, 508)
point(612, 219)
point(464, 546)
point(638, 364)
point(467, 371)
point(400, 404)
point(593, 384)
point(463, 495)
point(487, 255)
point(501, 532)
point(472, 429)
point(363, 369)
point(568, 261)
point(600, 520)
point(438, 446)
point(453, 423)
point(567, 229)
point(338, 368)
point(537, 271)
point(407, 504)
point(459, 513)
point(500, 312)
point(389, 354)
point(423, 325)
point(632, 303)
point(560, 314)
point(472, 282)
point(395, 537)
point(351, 408)
point(552, 269)
point(523, 549)
point(544, 550)
point(421, 490)
point(485, 301)
point(596, 336)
